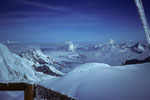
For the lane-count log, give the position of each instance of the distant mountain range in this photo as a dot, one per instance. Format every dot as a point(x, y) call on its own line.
point(55, 59)
point(136, 47)
point(11, 42)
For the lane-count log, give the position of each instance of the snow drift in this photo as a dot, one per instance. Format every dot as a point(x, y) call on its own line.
point(96, 81)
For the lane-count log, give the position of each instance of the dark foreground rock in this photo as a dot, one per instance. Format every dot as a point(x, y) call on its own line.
point(136, 61)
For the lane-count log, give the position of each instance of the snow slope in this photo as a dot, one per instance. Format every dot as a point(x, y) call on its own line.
point(13, 67)
point(96, 81)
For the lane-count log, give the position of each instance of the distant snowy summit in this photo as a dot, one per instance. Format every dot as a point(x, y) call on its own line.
point(111, 42)
point(111, 45)
point(107, 45)
point(139, 48)
point(11, 42)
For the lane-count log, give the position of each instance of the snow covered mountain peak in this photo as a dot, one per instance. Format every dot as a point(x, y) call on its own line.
point(11, 42)
point(124, 45)
point(35, 56)
point(111, 42)
point(139, 48)
point(107, 45)
point(42, 63)
point(14, 67)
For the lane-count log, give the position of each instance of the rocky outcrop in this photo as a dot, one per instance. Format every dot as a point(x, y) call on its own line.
point(136, 61)
point(46, 70)
point(42, 63)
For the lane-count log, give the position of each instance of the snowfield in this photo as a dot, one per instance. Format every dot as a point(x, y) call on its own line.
point(96, 81)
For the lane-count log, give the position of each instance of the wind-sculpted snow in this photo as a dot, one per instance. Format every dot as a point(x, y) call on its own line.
point(143, 18)
point(88, 67)
point(95, 81)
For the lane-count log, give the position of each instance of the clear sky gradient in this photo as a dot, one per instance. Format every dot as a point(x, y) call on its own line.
point(76, 20)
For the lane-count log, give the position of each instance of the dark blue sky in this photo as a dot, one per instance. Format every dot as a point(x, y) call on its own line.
point(76, 20)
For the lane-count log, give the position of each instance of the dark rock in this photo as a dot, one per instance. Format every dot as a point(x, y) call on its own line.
point(147, 59)
point(41, 61)
point(136, 61)
point(45, 69)
point(132, 61)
